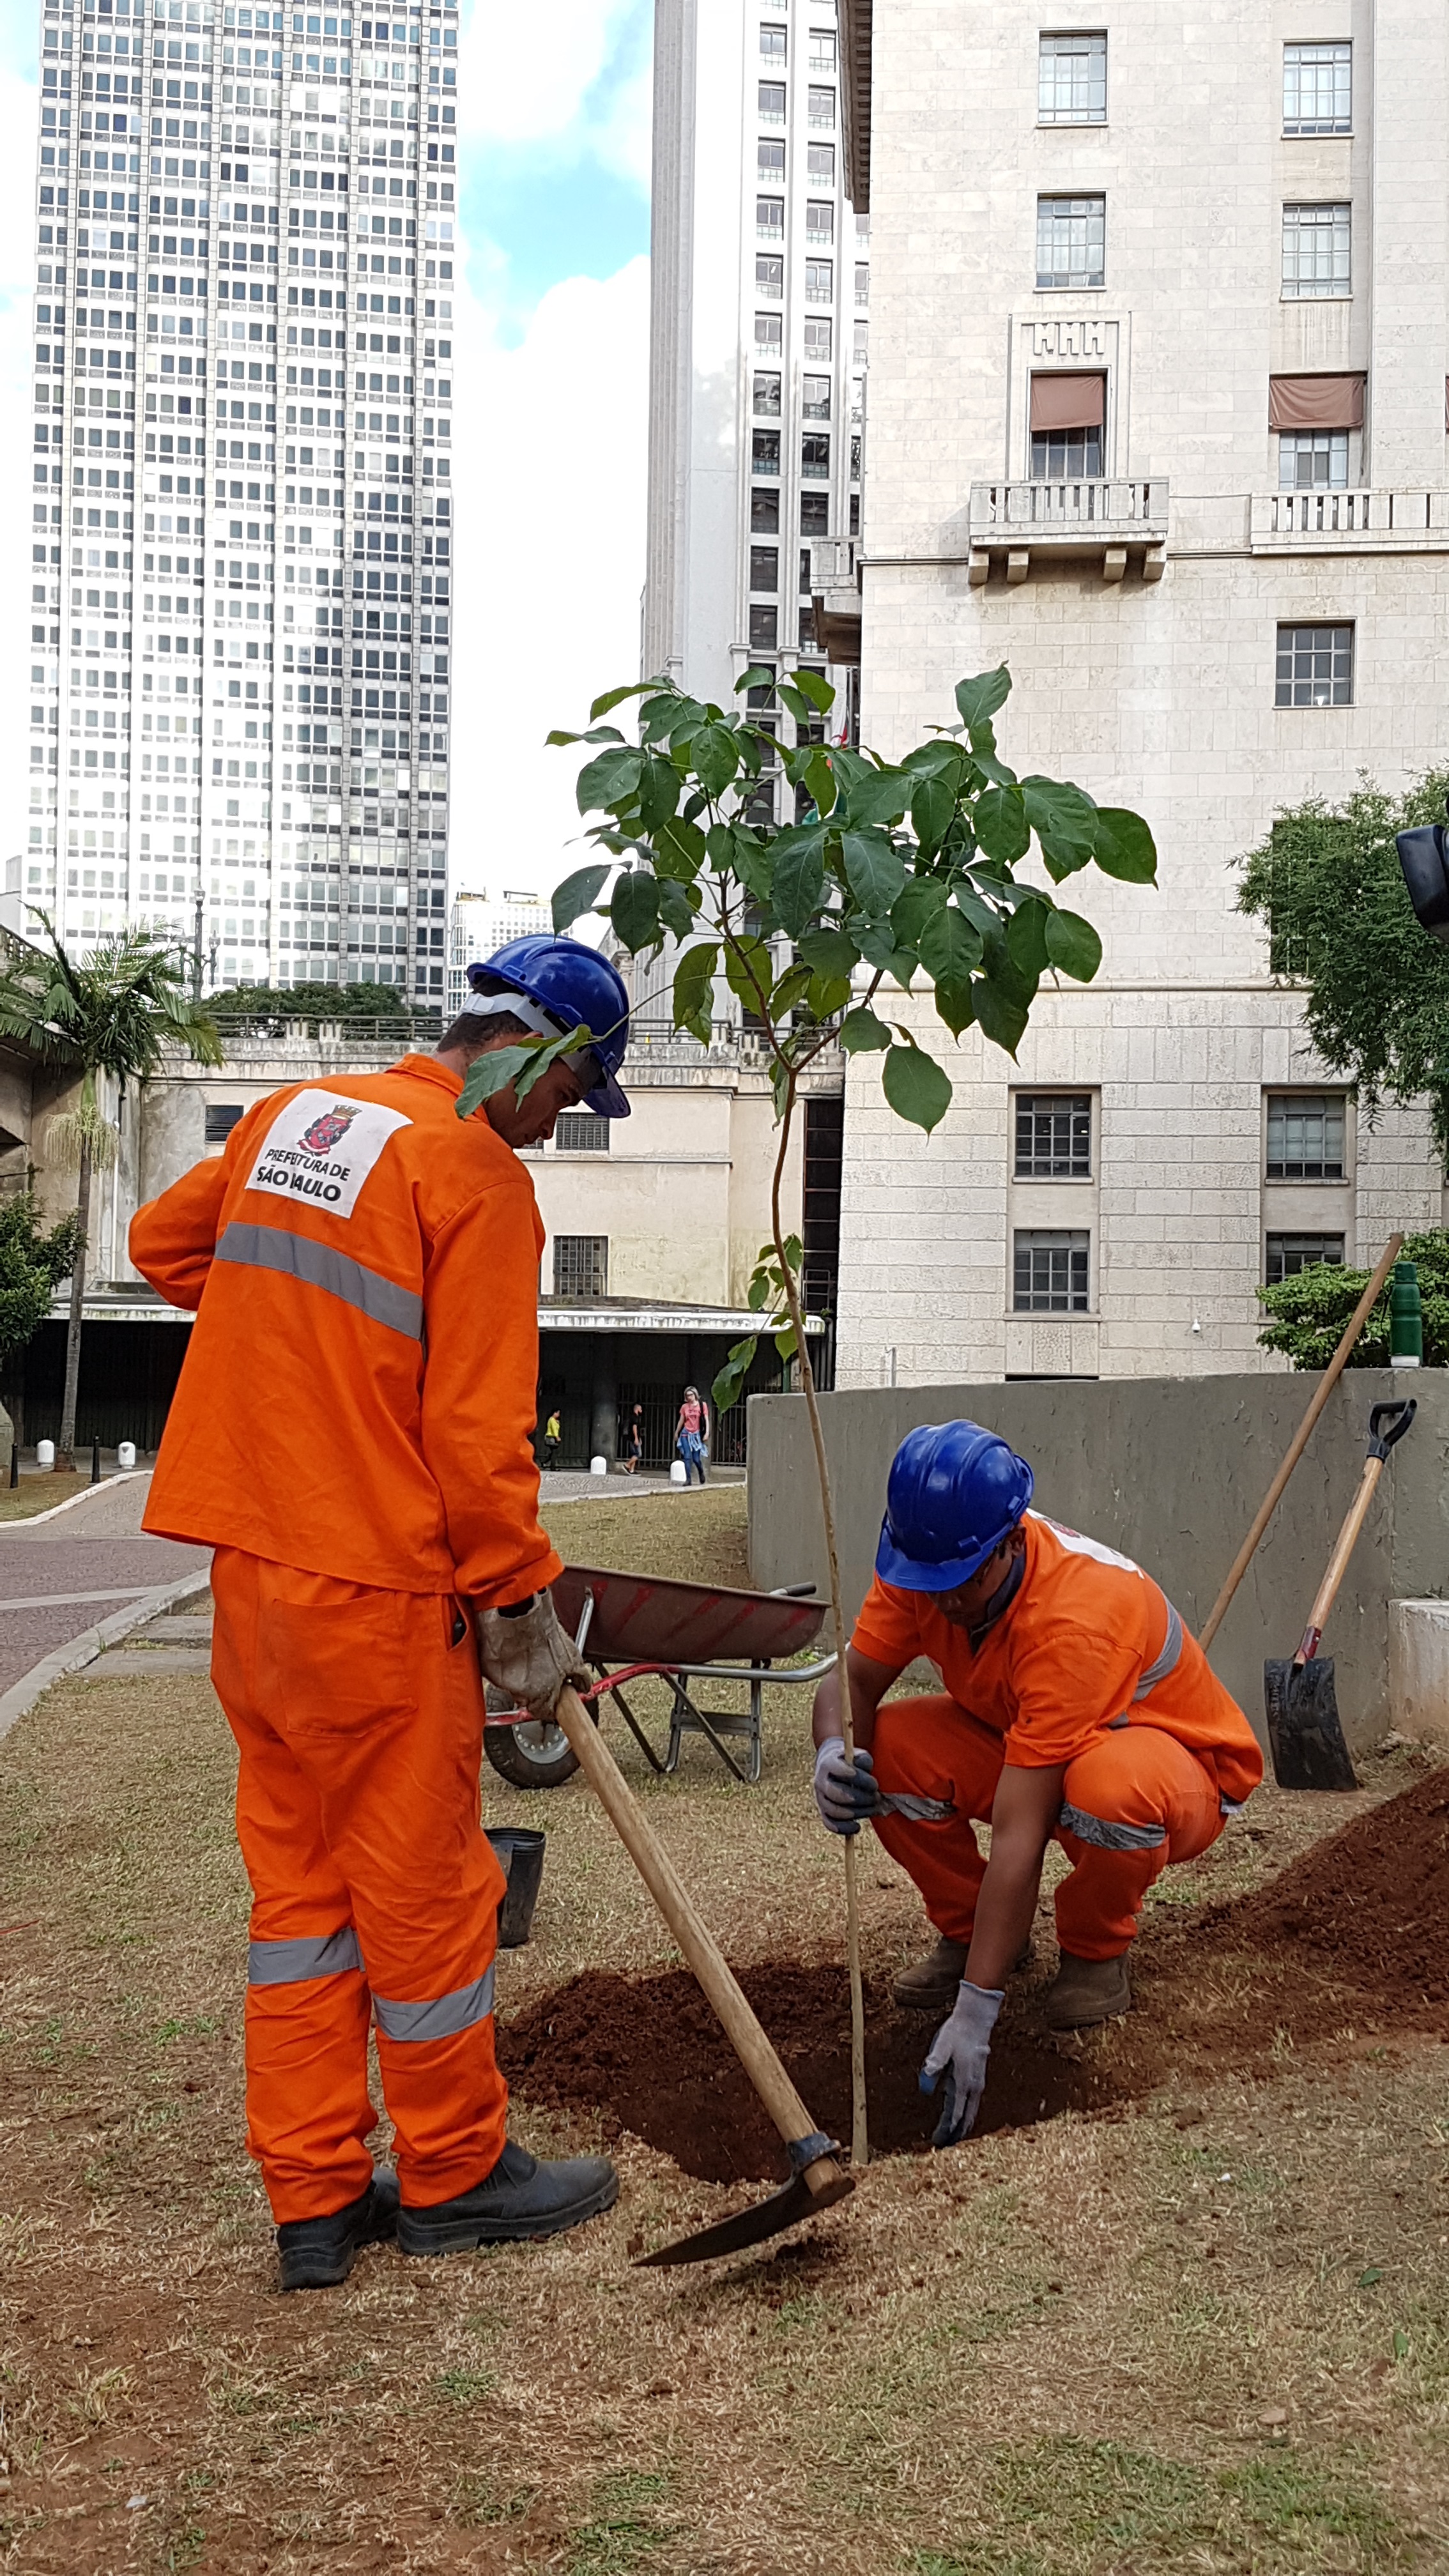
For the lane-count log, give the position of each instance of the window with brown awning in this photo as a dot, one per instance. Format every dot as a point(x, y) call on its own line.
point(1315, 402)
point(1061, 401)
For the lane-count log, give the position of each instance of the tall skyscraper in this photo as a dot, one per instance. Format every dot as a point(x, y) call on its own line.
point(760, 283)
point(243, 514)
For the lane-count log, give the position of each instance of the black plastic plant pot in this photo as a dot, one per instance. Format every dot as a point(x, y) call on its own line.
point(1424, 858)
point(521, 1853)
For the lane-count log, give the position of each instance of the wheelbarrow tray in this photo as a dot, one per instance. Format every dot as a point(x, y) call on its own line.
point(640, 1619)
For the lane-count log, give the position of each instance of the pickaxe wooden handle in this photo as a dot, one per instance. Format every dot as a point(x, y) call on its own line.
point(827, 2180)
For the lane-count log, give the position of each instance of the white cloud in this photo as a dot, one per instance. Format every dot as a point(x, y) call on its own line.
point(18, 121)
point(522, 79)
point(551, 510)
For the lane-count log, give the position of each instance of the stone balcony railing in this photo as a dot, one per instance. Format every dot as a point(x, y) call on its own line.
point(1348, 522)
point(1111, 523)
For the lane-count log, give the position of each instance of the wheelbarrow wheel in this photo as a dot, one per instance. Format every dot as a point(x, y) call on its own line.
point(534, 1754)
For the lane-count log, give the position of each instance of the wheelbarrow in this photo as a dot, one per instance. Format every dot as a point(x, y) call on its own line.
point(629, 1626)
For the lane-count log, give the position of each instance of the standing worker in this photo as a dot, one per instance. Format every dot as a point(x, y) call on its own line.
point(351, 1433)
point(691, 1432)
point(1076, 1709)
point(552, 1438)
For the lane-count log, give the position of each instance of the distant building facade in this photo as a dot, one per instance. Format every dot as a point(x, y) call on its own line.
point(480, 923)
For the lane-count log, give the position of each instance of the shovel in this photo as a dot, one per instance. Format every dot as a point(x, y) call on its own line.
point(1307, 1739)
point(817, 2180)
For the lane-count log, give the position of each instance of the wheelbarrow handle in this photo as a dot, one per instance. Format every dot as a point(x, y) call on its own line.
point(1381, 1442)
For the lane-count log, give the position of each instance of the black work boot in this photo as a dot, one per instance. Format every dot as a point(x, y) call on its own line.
point(521, 2197)
point(318, 2253)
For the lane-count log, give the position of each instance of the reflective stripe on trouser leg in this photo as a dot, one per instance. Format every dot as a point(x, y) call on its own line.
point(1133, 1802)
point(290, 1963)
point(443, 2018)
point(930, 1748)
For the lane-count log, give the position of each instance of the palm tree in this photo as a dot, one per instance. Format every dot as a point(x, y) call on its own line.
point(114, 1014)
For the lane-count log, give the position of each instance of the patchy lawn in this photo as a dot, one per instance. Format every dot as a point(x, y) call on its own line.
point(40, 1493)
point(1204, 2327)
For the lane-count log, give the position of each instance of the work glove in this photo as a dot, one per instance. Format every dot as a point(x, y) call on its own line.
point(960, 2051)
point(845, 1792)
point(525, 1651)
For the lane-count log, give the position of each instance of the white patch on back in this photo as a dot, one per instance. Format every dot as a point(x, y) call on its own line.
point(1075, 1545)
point(321, 1148)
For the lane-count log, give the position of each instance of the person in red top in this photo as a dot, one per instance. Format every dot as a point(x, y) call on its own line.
point(1076, 1708)
point(352, 1435)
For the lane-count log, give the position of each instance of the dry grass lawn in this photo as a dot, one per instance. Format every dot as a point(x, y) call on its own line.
point(36, 1494)
point(1209, 2333)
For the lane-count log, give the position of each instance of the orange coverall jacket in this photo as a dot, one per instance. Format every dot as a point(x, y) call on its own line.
point(359, 1391)
point(1089, 1643)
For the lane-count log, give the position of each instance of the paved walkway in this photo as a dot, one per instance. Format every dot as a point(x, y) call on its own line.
point(60, 1577)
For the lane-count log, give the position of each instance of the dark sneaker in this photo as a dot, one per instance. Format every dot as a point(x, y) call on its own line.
point(1085, 1991)
point(521, 2197)
point(318, 2253)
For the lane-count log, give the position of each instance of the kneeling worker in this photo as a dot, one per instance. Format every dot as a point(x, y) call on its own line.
point(1076, 1709)
point(351, 1433)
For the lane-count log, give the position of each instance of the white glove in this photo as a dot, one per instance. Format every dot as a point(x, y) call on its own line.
point(845, 1792)
point(960, 2051)
point(526, 1652)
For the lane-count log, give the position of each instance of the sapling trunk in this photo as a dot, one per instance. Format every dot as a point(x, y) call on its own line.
point(859, 2130)
point(65, 1446)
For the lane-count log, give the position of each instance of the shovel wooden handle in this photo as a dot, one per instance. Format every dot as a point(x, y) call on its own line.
point(1344, 1546)
point(1300, 1440)
point(827, 2180)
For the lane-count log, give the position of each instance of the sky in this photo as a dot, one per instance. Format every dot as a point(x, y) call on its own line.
point(551, 343)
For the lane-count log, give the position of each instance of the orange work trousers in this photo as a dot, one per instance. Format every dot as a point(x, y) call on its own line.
point(359, 1719)
point(1135, 1800)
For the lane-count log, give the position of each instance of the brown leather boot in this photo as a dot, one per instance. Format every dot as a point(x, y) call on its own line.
point(932, 1984)
point(1086, 1991)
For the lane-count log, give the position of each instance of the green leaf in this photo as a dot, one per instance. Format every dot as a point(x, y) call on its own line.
point(998, 1016)
point(732, 1376)
point(875, 795)
point(678, 909)
point(694, 988)
point(950, 948)
point(558, 736)
point(785, 1342)
point(634, 909)
point(798, 879)
point(1368, 2280)
point(829, 951)
point(1124, 846)
point(616, 697)
point(819, 777)
point(577, 894)
point(817, 690)
point(659, 791)
point(955, 1004)
point(716, 753)
point(749, 969)
point(1027, 940)
point(790, 698)
point(919, 901)
point(518, 1067)
point(1072, 944)
point(916, 1086)
point(877, 946)
point(1000, 824)
point(610, 782)
point(1060, 813)
point(977, 700)
point(874, 869)
point(794, 1251)
point(936, 760)
point(791, 989)
point(678, 850)
point(757, 677)
point(861, 1033)
point(933, 803)
point(827, 994)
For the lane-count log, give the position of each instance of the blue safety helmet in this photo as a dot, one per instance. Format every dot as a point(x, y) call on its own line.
point(955, 1492)
point(576, 988)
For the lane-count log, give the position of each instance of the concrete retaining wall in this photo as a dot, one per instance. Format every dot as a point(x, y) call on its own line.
point(1171, 1471)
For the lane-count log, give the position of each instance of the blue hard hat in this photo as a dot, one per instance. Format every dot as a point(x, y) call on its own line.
point(955, 1492)
point(577, 988)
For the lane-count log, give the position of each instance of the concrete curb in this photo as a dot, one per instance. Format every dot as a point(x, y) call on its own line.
point(83, 1650)
point(32, 1520)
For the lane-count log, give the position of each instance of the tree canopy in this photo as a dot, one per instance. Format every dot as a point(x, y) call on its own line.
point(1306, 1315)
point(32, 1262)
point(1328, 885)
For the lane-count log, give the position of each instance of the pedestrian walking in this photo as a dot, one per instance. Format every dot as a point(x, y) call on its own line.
point(552, 1439)
point(635, 1441)
point(691, 1433)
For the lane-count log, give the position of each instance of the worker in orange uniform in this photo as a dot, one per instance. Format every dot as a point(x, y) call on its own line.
point(1076, 1709)
point(351, 1433)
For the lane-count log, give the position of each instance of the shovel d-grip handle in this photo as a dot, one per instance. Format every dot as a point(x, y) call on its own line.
point(1381, 1442)
point(812, 2154)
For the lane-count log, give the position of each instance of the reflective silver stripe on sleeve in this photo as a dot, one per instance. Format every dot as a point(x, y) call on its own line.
point(288, 1963)
point(321, 1265)
point(1108, 1836)
point(440, 2018)
point(1167, 1661)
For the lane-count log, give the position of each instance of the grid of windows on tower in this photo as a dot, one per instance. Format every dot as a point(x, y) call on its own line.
point(243, 508)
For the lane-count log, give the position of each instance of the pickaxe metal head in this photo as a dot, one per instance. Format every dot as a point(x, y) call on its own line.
point(811, 2188)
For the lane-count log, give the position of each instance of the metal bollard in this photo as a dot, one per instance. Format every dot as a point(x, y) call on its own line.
point(14, 1464)
point(95, 1462)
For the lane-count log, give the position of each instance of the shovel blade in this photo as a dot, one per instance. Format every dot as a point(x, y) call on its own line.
point(1304, 1732)
point(752, 2226)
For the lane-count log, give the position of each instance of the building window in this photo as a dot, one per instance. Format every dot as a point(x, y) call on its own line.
point(1315, 666)
point(769, 276)
point(580, 1131)
point(1050, 1272)
point(765, 513)
point(1318, 89)
point(769, 333)
point(820, 109)
point(1064, 454)
point(1316, 245)
point(819, 221)
point(581, 1265)
point(221, 1117)
point(862, 281)
point(1305, 1135)
point(822, 49)
point(820, 164)
point(819, 342)
point(770, 217)
point(770, 163)
point(765, 453)
point(1072, 80)
point(815, 458)
point(819, 281)
point(764, 629)
point(767, 397)
point(1071, 241)
point(1290, 1253)
point(772, 44)
point(1053, 1136)
point(772, 102)
point(815, 518)
point(1313, 460)
point(815, 397)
